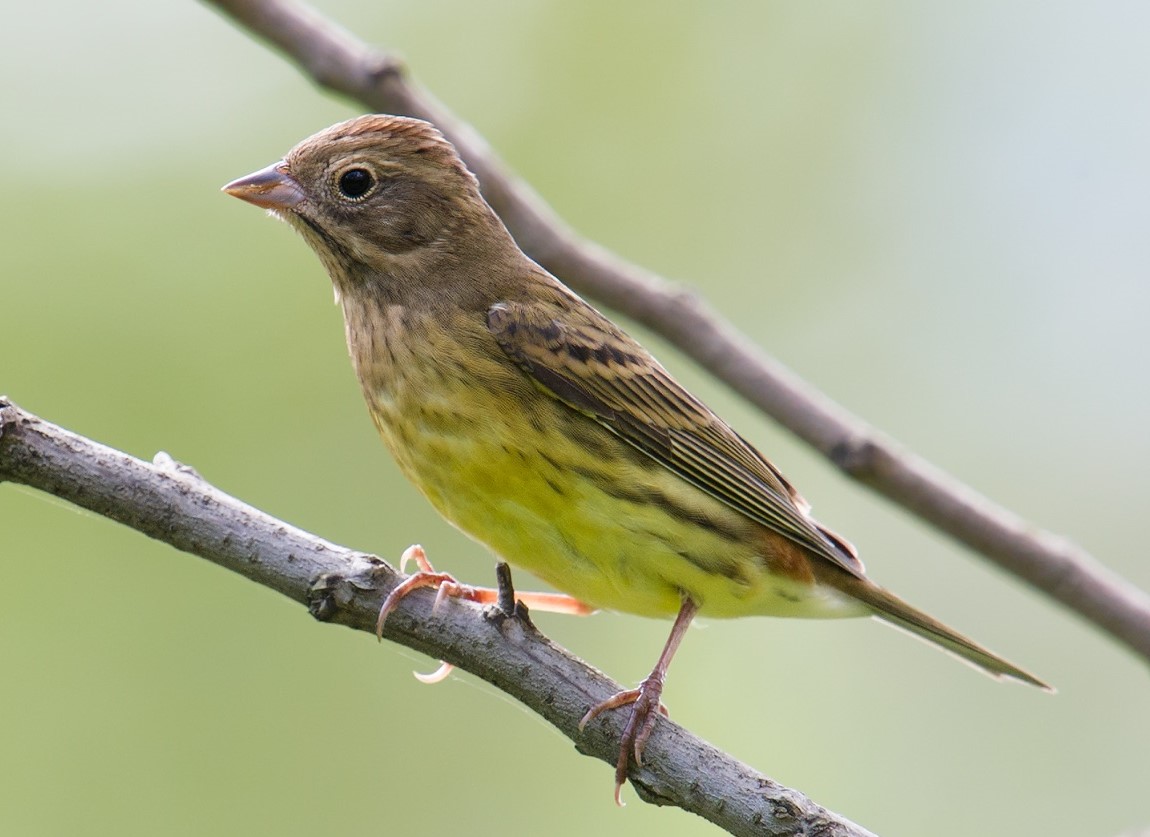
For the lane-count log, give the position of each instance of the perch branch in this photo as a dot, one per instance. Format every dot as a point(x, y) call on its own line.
point(173, 504)
point(337, 60)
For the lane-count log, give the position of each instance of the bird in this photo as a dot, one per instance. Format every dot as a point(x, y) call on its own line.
point(539, 427)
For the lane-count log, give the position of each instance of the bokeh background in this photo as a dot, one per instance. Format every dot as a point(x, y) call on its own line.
point(934, 211)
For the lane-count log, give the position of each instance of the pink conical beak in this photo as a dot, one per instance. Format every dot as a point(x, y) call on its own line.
point(270, 188)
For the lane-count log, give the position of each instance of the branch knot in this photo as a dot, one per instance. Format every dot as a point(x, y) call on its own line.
point(857, 455)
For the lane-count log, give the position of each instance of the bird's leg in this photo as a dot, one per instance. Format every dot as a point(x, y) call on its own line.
point(426, 576)
point(644, 700)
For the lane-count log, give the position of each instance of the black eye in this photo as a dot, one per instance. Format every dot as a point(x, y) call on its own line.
point(355, 183)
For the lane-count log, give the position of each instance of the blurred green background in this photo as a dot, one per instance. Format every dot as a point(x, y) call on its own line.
point(934, 211)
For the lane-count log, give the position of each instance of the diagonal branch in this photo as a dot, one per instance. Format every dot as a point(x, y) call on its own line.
point(171, 503)
point(340, 62)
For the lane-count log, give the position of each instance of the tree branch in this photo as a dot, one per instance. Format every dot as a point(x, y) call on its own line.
point(338, 61)
point(172, 503)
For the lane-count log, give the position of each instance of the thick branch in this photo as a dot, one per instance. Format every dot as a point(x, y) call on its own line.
point(172, 503)
point(340, 62)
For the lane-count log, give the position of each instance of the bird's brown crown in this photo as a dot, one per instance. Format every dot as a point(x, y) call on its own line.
point(398, 142)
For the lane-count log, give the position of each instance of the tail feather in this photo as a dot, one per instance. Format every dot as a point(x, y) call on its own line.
point(893, 610)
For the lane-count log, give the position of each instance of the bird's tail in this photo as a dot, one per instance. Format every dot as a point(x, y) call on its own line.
point(893, 610)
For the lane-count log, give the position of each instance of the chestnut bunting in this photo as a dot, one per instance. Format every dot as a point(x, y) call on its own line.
point(539, 427)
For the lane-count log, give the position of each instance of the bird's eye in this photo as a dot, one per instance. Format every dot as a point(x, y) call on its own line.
point(355, 183)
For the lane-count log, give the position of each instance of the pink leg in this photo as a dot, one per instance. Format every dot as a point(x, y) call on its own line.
point(645, 700)
point(426, 576)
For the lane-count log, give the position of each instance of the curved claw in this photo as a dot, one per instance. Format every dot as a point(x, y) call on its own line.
point(415, 553)
point(437, 676)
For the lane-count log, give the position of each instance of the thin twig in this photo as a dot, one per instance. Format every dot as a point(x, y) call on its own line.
point(172, 503)
point(340, 62)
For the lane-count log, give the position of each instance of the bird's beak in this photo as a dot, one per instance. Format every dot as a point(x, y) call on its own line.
point(270, 188)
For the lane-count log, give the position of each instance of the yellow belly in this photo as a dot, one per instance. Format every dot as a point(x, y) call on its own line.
point(549, 491)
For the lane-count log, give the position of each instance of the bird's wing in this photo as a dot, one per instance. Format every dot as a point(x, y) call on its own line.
point(581, 358)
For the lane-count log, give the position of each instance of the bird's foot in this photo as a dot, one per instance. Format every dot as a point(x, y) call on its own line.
point(425, 576)
point(645, 708)
point(645, 705)
point(449, 587)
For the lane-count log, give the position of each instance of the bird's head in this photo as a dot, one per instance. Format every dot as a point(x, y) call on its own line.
point(375, 195)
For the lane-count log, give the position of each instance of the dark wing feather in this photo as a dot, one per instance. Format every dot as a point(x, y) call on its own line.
point(584, 360)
